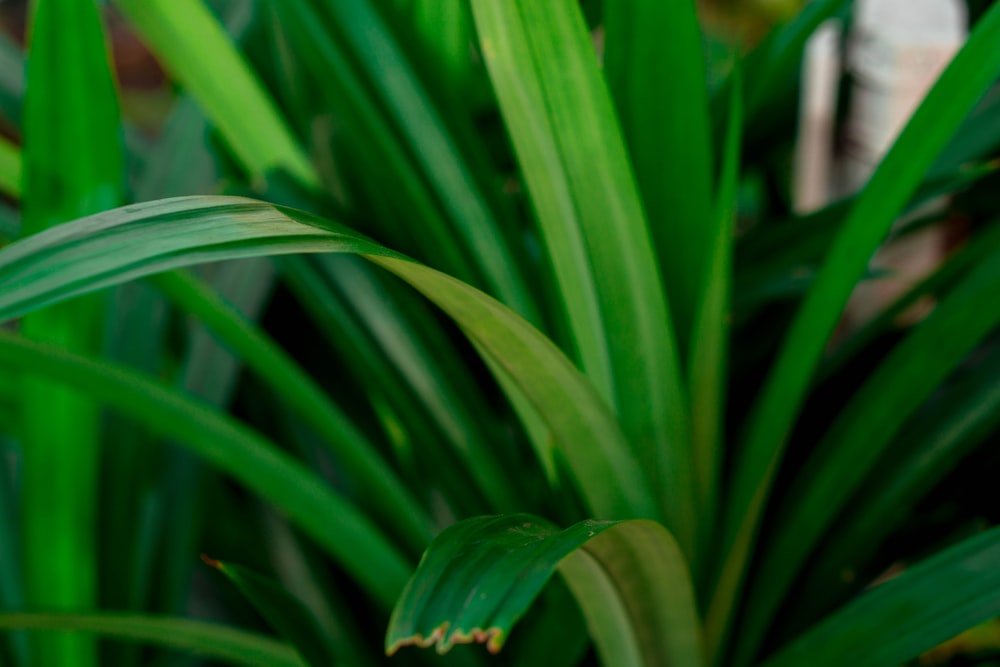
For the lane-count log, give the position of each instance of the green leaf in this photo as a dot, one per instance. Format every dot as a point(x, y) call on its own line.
point(654, 64)
point(283, 612)
point(73, 166)
point(187, 38)
point(216, 642)
point(143, 239)
point(708, 363)
point(561, 120)
point(966, 79)
point(900, 619)
point(349, 537)
point(479, 577)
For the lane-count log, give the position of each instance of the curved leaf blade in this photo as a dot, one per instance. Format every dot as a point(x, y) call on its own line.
point(139, 240)
point(480, 576)
point(228, 645)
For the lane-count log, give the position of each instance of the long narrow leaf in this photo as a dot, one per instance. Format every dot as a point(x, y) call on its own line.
point(562, 122)
point(965, 80)
point(185, 35)
point(140, 240)
point(707, 366)
point(228, 645)
point(73, 166)
point(654, 64)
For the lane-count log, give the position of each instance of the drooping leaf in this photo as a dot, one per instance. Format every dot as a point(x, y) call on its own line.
point(216, 642)
point(139, 240)
point(479, 577)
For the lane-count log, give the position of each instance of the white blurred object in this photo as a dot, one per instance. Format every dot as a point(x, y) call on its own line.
point(897, 50)
point(814, 148)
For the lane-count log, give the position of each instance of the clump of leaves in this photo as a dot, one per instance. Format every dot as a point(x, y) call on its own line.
point(606, 352)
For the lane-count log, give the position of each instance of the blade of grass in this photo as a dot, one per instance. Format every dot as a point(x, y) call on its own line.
point(562, 123)
point(875, 414)
point(228, 645)
point(185, 35)
point(898, 620)
point(653, 58)
point(348, 536)
point(965, 80)
point(707, 365)
point(73, 166)
point(143, 239)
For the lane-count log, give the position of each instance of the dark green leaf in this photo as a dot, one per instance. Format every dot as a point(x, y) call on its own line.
point(480, 576)
point(228, 645)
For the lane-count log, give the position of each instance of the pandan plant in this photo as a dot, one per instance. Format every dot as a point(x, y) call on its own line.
point(535, 302)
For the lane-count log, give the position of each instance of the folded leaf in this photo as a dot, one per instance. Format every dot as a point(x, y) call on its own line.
point(481, 575)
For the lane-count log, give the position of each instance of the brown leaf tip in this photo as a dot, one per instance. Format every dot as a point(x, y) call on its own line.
point(211, 562)
point(443, 641)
